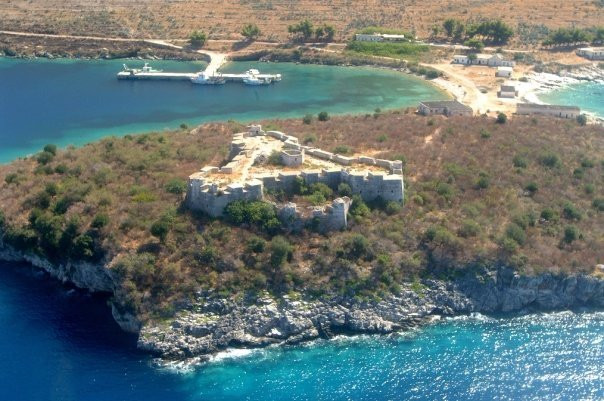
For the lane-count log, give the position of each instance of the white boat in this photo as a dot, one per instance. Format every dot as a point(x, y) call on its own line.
point(251, 78)
point(204, 79)
point(146, 68)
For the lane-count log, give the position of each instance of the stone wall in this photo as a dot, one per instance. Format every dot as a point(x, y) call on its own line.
point(206, 194)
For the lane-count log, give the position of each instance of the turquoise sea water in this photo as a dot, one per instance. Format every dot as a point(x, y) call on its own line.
point(61, 344)
point(77, 101)
point(588, 96)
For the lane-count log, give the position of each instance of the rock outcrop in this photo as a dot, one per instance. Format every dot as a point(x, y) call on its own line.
point(215, 324)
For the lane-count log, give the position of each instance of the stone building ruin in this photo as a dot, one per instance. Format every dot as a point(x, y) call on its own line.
point(246, 176)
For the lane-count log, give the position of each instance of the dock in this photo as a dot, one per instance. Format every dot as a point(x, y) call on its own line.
point(209, 76)
point(156, 76)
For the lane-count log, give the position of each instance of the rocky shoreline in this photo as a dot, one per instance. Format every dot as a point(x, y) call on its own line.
point(211, 324)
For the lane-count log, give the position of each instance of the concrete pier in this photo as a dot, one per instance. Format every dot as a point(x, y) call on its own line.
point(216, 61)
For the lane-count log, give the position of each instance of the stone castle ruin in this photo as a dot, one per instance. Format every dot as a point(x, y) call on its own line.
point(247, 176)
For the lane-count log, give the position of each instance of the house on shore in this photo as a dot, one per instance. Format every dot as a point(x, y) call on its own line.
point(444, 107)
point(591, 53)
point(378, 37)
point(507, 91)
point(504, 72)
point(548, 110)
point(490, 60)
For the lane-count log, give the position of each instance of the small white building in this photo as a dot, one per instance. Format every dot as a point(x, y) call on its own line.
point(491, 60)
point(504, 72)
point(591, 53)
point(378, 37)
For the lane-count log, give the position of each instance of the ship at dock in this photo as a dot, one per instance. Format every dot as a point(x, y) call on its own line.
point(251, 77)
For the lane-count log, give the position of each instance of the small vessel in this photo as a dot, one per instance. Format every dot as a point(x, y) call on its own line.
point(251, 77)
point(204, 79)
point(146, 68)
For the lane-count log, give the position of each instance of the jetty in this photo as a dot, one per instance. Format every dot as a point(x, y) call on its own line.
point(209, 76)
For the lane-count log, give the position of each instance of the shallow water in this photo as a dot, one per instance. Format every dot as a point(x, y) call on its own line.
point(77, 101)
point(588, 96)
point(61, 344)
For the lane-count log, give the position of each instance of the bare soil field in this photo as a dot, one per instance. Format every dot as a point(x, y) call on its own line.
point(223, 20)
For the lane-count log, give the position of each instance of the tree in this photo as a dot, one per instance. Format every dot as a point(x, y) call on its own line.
point(323, 116)
point(330, 32)
point(250, 31)
point(281, 250)
point(303, 29)
point(459, 31)
point(501, 118)
point(582, 119)
point(50, 148)
point(475, 44)
point(197, 39)
point(160, 229)
point(449, 26)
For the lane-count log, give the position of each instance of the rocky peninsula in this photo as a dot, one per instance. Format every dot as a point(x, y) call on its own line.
point(498, 218)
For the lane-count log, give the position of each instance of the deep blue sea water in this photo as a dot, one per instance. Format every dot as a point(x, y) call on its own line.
point(77, 101)
point(60, 344)
point(589, 96)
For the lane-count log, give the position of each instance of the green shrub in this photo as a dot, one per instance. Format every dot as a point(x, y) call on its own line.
point(579, 173)
point(310, 138)
point(520, 161)
point(589, 189)
point(275, 158)
point(382, 138)
point(261, 214)
point(197, 39)
point(61, 169)
point(44, 157)
point(256, 244)
point(100, 220)
point(357, 246)
point(571, 233)
point(393, 207)
point(445, 190)
point(11, 178)
point(307, 119)
point(501, 118)
point(341, 149)
point(582, 119)
point(483, 182)
point(51, 188)
point(469, 228)
point(176, 186)
point(550, 159)
point(323, 116)
point(516, 233)
point(587, 163)
point(598, 204)
point(571, 212)
point(50, 148)
point(359, 208)
point(281, 251)
point(485, 134)
point(344, 189)
point(549, 214)
point(531, 187)
point(160, 229)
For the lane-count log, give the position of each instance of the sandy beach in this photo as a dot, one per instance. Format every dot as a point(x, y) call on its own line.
point(477, 86)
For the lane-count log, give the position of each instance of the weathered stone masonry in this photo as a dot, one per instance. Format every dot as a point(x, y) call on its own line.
point(212, 188)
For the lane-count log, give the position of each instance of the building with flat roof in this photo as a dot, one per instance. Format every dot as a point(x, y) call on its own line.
point(591, 53)
point(490, 60)
point(444, 107)
point(507, 91)
point(548, 110)
point(504, 72)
